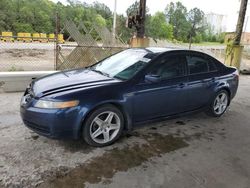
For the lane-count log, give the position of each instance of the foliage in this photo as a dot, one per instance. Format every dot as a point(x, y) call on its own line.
point(122, 31)
point(189, 26)
point(176, 14)
point(209, 36)
point(23, 27)
point(100, 20)
point(133, 9)
point(195, 18)
point(176, 23)
point(159, 28)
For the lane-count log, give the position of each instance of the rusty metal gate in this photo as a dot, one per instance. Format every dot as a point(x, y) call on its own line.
point(85, 47)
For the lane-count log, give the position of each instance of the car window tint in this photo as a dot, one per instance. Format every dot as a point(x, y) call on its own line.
point(212, 66)
point(169, 67)
point(197, 65)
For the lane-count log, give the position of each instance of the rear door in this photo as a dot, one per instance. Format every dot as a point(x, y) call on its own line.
point(202, 75)
point(165, 97)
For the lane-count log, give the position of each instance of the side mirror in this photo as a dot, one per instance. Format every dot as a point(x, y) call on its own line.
point(152, 78)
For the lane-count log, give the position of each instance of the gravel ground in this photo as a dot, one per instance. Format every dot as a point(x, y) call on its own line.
point(192, 151)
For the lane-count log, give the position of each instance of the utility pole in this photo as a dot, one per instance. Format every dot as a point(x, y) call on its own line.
point(114, 21)
point(141, 21)
point(138, 21)
point(240, 23)
point(234, 51)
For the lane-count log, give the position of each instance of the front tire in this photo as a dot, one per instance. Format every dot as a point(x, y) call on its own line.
point(103, 126)
point(219, 104)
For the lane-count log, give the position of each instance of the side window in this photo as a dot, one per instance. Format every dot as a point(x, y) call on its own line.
point(197, 65)
point(212, 66)
point(169, 67)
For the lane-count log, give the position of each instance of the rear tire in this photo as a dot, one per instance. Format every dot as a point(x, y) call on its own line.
point(219, 104)
point(103, 126)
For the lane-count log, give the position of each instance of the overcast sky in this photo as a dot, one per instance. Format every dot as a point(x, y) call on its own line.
point(226, 7)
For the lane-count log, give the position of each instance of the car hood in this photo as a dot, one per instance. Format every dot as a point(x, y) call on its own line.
point(68, 80)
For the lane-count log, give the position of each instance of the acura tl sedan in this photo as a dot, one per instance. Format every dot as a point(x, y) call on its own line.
point(135, 86)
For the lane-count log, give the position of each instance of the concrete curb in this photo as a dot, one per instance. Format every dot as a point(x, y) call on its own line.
point(18, 81)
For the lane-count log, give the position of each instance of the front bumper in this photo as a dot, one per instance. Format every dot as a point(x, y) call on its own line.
point(53, 123)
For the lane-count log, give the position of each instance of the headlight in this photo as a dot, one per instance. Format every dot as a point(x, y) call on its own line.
point(55, 104)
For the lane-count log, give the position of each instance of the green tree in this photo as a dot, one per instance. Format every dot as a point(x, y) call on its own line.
point(100, 20)
point(105, 12)
point(7, 15)
point(176, 14)
point(133, 9)
point(121, 29)
point(195, 18)
point(22, 27)
point(159, 29)
point(39, 16)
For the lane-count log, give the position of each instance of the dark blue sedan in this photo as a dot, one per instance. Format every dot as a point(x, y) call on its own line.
point(134, 86)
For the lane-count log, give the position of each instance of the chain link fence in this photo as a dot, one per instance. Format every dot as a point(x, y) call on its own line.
point(89, 45)
point(26, 55)
point(217, 51)
point(81, 47)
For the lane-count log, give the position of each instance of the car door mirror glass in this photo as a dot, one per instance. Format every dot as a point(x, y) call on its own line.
point(152, 78)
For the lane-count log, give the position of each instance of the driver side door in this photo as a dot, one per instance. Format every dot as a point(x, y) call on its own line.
point(166, 95)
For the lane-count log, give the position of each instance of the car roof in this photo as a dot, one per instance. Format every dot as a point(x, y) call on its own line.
point(156, 50)
point(159, 49)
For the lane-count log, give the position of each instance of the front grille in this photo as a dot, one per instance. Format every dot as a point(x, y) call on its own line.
point(39, 128)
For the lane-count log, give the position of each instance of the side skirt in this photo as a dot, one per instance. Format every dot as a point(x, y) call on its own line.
point(164, 118)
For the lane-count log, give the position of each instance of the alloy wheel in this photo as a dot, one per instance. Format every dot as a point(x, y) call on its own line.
point(220, 103)
point(105, 127)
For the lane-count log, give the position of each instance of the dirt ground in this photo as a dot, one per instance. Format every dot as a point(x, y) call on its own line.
point(192, 151)
point(26, 56)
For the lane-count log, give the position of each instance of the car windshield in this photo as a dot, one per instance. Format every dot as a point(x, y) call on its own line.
point(124, 65)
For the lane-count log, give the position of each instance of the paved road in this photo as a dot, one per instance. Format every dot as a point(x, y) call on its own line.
point(193, 151)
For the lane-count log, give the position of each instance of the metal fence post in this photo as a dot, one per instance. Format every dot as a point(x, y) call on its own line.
point(57, 47)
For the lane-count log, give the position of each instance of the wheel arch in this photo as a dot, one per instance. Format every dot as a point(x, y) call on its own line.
point(210, 109)
point(126, 116)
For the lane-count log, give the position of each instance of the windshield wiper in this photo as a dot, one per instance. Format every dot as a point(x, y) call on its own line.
point(100, 72)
